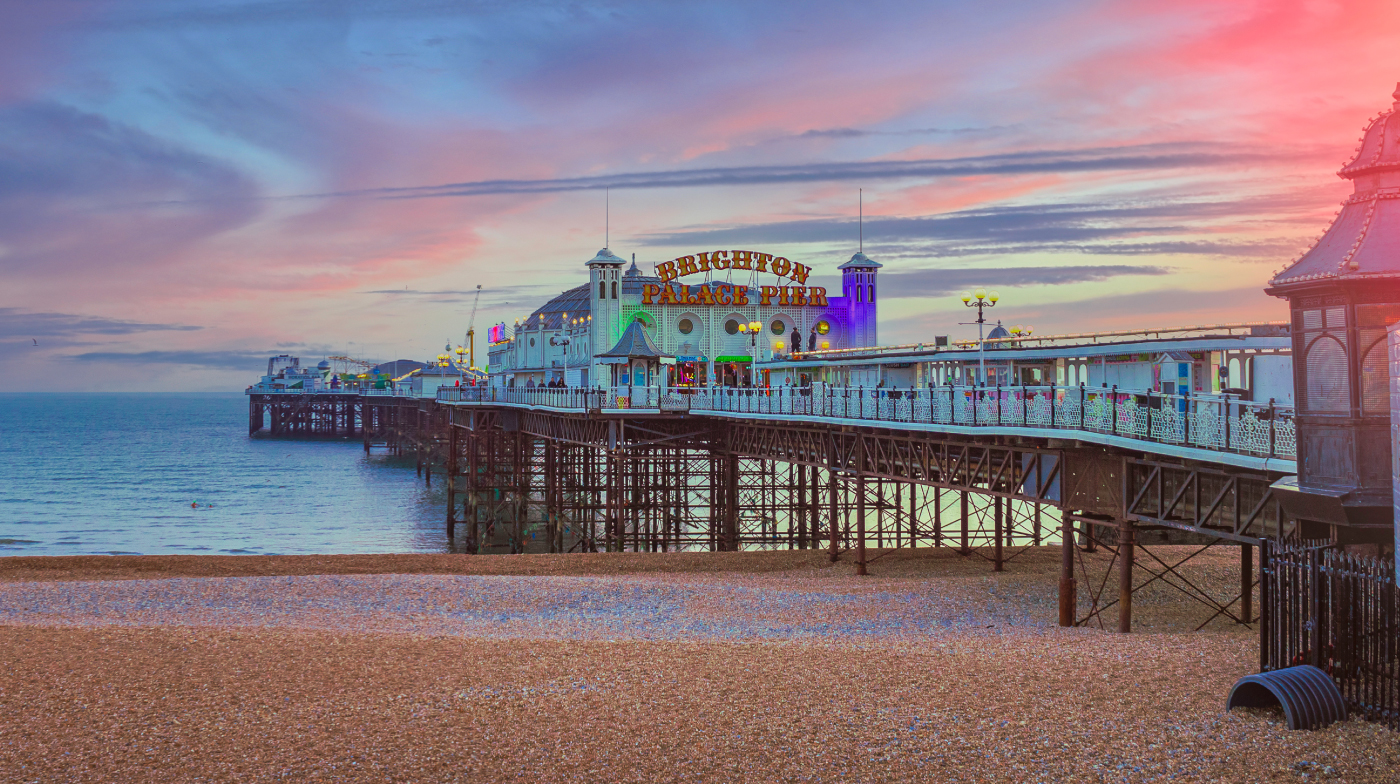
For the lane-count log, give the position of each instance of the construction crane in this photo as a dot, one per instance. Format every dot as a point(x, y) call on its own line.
point(471, 329)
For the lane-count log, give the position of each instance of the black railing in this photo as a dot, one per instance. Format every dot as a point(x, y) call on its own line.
point(1336, 611)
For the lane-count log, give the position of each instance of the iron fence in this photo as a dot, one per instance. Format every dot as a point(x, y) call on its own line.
point(1336, 611)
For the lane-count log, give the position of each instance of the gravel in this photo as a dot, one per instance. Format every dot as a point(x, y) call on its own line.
point(633, 668)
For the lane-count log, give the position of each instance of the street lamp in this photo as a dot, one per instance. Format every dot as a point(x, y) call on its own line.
point(751, 329)
point(981, 300)
point(563, 340)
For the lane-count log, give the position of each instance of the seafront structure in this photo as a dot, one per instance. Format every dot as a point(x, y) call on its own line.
point(662, 439)
point(710, 318)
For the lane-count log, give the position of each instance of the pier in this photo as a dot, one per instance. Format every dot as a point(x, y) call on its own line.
point(638, 413)
point(852, 471)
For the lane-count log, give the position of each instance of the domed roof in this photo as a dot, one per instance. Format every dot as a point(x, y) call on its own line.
point(1364, 239)
point(605, 256)
point(323, 365)
point(575, 302)
point(861, 261)
point(998, 332)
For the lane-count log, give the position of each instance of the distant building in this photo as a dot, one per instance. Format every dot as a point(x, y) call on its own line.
point(285, 374)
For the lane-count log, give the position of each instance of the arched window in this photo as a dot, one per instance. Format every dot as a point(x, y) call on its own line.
point(614, 296)
point(1375, 379)
point(859, 291)
point(872, 292)
point(1326, 372)
point(602, 290)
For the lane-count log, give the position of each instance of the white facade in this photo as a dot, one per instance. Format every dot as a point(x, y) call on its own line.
point(692, 316)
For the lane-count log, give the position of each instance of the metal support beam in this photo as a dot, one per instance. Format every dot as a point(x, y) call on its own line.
point(1069, 589)
point(998, 563)
point(1126, 536)
point(860, 524)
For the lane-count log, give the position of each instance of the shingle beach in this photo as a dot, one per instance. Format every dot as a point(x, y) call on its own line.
point(754, 667)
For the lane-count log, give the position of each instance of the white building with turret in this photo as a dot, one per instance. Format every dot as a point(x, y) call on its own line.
point(719, 315)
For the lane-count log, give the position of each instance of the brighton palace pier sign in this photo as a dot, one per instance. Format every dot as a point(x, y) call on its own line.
point(670, 292)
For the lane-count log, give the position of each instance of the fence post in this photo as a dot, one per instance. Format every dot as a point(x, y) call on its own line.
point(1113, 409)
point(1083, 404)
point(1314, 622)
point(1266, 609)
point(1273, 423)
point(1225, 406)
point(1247, 582)
point(1186, 415)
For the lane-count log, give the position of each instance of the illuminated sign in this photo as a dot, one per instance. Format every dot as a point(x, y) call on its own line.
point(724, 294)
point(496, 334)
point(750, 260)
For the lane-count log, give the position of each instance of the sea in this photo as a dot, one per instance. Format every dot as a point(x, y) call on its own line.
point(178, 473)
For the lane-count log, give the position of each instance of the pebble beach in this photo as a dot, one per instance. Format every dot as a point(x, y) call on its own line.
point(689, 667)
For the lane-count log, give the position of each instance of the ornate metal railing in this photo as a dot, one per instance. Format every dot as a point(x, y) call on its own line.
point(577, 398)
point(1216, 422)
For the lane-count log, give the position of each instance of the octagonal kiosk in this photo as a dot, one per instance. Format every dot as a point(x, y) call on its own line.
point(1343, 293)
point(636, 365)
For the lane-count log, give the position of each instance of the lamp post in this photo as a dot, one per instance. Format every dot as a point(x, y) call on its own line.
point(752, 329)
point(563, 340)
point(981, 300)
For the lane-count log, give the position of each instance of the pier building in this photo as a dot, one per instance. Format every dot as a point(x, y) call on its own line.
point(714, 318)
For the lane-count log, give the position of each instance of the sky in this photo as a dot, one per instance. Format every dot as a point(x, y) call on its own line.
point(188, 186)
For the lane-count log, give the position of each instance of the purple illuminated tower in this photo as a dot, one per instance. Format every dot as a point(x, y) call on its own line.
point(858, 287)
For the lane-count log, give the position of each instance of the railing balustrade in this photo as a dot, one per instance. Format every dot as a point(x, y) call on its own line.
point(1221, 423)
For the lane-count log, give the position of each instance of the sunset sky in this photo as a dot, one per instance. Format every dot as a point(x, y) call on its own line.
point(187, 186)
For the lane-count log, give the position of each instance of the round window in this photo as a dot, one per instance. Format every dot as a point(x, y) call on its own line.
point(532, 342)
point(731, 326)
point(778, 327)
point(686, 326)
point(823, 327)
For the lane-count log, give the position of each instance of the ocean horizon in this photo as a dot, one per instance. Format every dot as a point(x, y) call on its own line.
point(176, 473)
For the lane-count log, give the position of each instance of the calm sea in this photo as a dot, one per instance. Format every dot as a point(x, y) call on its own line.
point(118, 474)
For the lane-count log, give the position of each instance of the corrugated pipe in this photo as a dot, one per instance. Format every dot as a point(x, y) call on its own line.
point(1309, 698)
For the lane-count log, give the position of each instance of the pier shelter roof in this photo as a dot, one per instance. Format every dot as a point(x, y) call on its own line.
point(1363, 241)
point(634, 344)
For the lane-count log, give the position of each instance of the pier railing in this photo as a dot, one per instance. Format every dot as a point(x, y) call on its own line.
point(1222, 423)
point(565, 397)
